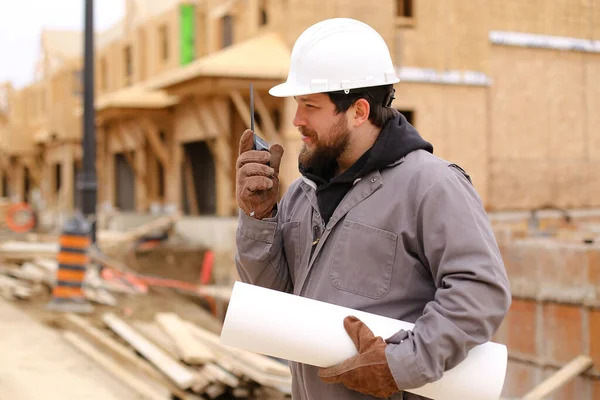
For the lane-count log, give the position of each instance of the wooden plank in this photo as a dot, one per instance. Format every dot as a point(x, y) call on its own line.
point(177, 373)
point(207, 116)
point(173, 184)
point(189, 348)
point(258, 361)
point(11, 288)
point(221, 114)
point(244, 110)
point(560, 378)
point(214, 390)
point(127, 153)
point(33, 168)
point(116, 349)
point(158, 224)
point(221, 152)
point(141, 187)
point(45, 249)
point(157, 336)
point(27, 272)
point(100, 296)
point(267, 121)
point(145, 391)
point(157, 145)
point(221, 375)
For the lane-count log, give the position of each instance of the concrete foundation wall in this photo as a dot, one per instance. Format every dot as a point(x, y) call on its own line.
point(555, 313)
point(215, 233)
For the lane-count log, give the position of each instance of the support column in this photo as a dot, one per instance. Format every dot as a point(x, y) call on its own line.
point(152, 172)
point(172, 176)
point(51, 176)
point(109, 181)
point(47, 182)
point(292, 143)
point(18, 183)
point(224, 183)
point(141, 189)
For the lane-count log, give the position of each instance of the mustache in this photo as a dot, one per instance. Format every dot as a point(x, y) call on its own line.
point(307, 132)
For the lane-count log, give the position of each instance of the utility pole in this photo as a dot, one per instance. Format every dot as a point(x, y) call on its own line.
point(87, 178)
point(79, 232)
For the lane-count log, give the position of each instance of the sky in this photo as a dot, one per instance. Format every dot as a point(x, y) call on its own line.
point(21, 24)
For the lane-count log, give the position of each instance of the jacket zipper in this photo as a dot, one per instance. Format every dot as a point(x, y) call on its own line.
point(317, 234)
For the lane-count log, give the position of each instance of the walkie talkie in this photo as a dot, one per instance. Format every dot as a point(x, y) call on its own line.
point(259, 143)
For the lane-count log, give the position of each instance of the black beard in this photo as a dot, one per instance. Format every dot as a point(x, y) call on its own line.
point(322, 161)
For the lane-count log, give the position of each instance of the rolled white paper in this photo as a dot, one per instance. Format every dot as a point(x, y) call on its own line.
point(311, 332)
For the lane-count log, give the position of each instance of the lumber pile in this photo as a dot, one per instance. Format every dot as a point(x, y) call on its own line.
point(174, 356)
point(35, 279)
point(158, 335)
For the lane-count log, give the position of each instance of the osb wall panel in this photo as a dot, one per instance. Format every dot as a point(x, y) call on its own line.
point(527, 184)
point(303, 13)
point(592, 66)
point(429, 33)
point(18, 137)
point(454, 120)
point(155, 63)
point(440, 38)
point(538, 109)
point(519, 123)
point(186, 125)
point(64, 121)
point(557, 17)
point(542, 131)
point(124, 139)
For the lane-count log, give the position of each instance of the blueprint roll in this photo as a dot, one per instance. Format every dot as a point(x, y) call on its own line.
point(311, 332)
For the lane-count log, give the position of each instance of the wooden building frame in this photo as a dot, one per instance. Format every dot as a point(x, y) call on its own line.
point(213, 106)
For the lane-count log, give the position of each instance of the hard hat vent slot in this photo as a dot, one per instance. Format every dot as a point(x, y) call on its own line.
point(319, 85)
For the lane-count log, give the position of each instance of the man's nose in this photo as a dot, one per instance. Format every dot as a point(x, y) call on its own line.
point(299, 119)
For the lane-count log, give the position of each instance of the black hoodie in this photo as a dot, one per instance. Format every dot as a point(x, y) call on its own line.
point(396, 139)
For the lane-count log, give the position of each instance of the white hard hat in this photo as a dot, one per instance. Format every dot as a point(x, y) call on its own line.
point(337, 54)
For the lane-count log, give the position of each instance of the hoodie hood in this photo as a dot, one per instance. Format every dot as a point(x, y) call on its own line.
point(396, 139)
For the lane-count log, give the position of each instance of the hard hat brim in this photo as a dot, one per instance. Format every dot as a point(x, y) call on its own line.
point(287, 89)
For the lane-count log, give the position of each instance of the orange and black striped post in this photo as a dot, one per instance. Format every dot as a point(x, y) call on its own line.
point(73, 259)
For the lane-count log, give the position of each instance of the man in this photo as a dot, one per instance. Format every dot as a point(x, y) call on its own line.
point(376, 223)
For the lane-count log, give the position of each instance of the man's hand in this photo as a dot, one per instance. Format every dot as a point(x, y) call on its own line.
point(257, 177)
point(367, 372)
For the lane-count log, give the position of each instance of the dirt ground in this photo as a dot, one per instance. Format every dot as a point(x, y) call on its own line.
point(37, 363)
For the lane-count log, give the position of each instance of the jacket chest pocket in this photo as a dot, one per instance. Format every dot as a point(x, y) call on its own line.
point(363, 259)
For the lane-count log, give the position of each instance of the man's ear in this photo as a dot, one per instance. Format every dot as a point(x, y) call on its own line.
point(361, 110)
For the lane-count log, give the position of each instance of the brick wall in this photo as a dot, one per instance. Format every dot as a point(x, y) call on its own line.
point(555, 314)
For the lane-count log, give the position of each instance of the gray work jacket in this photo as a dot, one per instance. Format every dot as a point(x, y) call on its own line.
point(411, 242)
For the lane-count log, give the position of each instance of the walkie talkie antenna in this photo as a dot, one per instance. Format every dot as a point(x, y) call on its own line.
point(252, 107)
point(259, 143)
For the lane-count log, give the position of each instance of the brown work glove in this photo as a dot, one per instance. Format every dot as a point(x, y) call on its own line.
point(257, 177)
point(368, 371)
